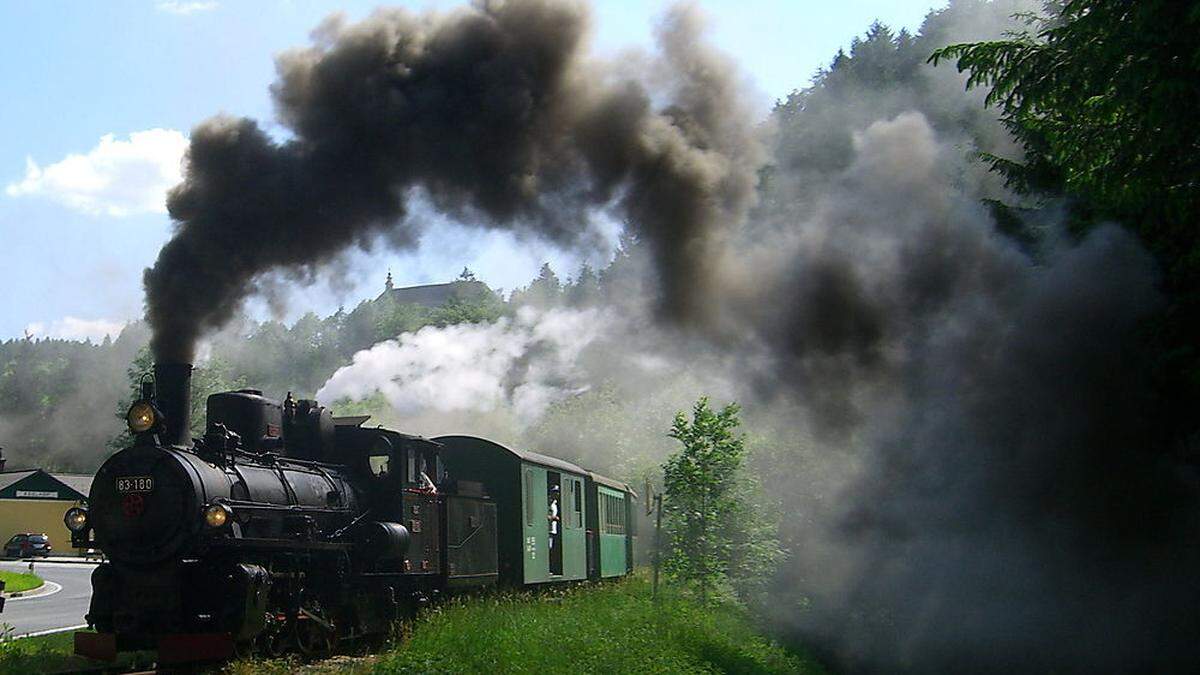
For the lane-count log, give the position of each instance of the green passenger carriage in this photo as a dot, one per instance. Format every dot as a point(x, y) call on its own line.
point(594, 534)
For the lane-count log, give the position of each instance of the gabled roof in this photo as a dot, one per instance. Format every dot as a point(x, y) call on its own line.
point(80, 482)
point(436, 295)
point(9, 477)
point(39, 484)
point(608, 482)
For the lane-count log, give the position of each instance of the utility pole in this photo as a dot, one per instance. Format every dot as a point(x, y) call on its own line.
point(657, 543)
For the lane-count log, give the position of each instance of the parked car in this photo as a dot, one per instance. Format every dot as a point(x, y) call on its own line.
point(27, 545)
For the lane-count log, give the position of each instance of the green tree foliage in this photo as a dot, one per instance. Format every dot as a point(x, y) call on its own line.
point(543, 292)
point(1096, 95)
point(883, 74)
point(584, 290)
point(1102, 95)
point(717, 539)
point(482, 309)
point(49, 394)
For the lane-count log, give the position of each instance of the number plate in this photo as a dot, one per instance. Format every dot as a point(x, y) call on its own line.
point(135, 484)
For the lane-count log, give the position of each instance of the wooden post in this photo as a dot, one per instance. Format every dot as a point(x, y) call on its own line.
point(657, 543)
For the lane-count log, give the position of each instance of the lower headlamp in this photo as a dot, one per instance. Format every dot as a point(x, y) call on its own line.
point(76, 519)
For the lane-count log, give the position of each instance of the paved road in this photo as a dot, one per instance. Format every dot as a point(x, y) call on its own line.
point(57, 610)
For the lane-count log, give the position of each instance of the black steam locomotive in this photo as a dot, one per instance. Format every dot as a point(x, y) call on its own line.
point(284, 527)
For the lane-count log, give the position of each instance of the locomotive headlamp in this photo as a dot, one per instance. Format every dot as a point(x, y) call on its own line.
point(76, 519)
point(217, 515)
point(142, 417)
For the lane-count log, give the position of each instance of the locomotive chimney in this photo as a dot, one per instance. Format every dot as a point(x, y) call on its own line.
point(173, 395)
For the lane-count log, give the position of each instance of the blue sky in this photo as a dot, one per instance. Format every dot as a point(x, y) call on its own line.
point(97, 98)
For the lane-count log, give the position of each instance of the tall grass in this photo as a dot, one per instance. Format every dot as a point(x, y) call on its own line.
point(611, 628)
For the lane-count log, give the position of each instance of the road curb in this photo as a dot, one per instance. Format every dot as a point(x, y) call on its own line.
point(65, 560)
point(47, 588)
point(50, 631)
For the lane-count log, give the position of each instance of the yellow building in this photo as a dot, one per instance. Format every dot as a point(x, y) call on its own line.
point(32, 500)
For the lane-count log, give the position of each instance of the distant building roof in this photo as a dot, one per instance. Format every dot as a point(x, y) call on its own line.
point(39, 484)
point(9, 477)
point(80, 482)
point(436, 295)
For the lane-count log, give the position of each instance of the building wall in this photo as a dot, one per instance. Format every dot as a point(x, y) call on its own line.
point(37, 516)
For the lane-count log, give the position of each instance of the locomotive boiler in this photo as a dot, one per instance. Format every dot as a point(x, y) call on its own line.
point(283, 527)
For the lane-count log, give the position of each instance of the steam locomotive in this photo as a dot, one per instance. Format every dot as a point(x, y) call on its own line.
point(286, 528)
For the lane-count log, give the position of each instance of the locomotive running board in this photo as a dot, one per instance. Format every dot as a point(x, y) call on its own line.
point(172, 649)
point(99, 646)
point(187, 647)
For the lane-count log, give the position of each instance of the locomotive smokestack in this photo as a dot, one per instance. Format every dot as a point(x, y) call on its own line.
point(173, 395)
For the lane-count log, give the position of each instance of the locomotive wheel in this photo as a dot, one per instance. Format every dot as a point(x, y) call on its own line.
point(312, 639)
point(273, 644)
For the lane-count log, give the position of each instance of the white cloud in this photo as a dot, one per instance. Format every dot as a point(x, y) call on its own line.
point(73, 328)
point(116, 178)
point(185, 8)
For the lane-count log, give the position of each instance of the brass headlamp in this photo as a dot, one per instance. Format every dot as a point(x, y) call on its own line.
point(142, 417)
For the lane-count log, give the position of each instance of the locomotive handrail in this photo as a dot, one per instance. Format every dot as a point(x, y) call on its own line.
point(287, 484)
point(468, 538)
point(339, 532)
point(280, 544)
point(264, 506)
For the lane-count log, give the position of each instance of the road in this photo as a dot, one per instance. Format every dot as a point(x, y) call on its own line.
point(62, 609)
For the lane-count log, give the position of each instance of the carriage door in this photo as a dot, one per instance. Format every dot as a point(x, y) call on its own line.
point(554, 519)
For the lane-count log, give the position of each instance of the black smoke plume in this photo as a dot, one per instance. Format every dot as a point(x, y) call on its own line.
point(493, 112)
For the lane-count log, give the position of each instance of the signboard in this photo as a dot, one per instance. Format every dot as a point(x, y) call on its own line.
point(37, 494)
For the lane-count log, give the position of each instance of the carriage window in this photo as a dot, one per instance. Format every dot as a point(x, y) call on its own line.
point(613, 515)
point(577, 493)
point(529, 497)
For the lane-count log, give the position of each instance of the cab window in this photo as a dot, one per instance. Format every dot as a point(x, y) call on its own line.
point(379, 458)
point(379, 465)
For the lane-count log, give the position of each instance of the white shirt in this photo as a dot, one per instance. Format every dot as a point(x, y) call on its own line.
point(554, 516)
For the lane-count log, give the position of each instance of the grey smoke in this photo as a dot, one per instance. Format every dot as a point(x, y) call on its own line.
point(1005, 508)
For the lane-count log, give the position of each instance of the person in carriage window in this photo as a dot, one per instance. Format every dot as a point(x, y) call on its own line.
point(552, 515)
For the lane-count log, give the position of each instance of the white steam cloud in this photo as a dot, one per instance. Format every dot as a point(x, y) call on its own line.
point(526, 363)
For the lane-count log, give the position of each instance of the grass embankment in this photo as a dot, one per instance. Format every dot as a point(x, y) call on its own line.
point(605, 628)
point(54, 653)
point(613, 628)
point(608, 628)
point(20, 581)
